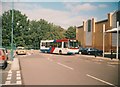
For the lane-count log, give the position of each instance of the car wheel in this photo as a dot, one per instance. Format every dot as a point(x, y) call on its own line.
point(5, 65)
point(88, 53)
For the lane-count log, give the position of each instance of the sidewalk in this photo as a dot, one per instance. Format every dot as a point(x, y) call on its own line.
point(111, 61)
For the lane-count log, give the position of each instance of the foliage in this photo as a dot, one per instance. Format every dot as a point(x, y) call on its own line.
point(20, 29)
point(28, 33)
point(70, 33)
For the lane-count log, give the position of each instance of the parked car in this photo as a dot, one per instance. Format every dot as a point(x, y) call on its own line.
point(3, 58)
point(81, 49)
point(20, 50)
point(92, 51)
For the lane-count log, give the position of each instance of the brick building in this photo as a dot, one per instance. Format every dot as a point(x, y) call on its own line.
point(90, 33)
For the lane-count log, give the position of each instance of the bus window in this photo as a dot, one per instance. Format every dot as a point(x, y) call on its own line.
point(65, 44)
point(43, 44)
point(59, 44)
point(47, 44)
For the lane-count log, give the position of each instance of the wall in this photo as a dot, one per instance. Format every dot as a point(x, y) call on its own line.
point(80, 34)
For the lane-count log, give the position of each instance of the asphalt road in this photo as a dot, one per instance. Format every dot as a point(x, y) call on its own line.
point(52, 69)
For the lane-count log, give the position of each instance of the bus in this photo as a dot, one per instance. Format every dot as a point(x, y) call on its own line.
point(63, 46)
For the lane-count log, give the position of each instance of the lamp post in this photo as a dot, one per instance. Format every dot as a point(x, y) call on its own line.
point(0, 32)
point(12, 33)
point(103, 40)
point(117, 40)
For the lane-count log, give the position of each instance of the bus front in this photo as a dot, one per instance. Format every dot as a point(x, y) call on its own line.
point(73, 47)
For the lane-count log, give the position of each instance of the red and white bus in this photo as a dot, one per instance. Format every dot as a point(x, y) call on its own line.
point(64, 46)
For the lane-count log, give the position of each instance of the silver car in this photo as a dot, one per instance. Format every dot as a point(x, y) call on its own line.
point(3, 58)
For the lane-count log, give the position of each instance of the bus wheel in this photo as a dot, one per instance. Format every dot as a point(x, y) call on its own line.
point(60, 52)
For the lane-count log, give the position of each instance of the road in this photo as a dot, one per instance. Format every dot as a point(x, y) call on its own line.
point(52, 69)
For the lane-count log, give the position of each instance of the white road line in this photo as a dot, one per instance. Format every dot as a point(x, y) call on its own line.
point(7, 82)
point(18, 72)
point(100, 80)
point(18, 78)
point(9, 75)
point(11, 84)
point(10, 72)
point(65, 66)
point(18, 75)
point(9, 78)
point(18, 82)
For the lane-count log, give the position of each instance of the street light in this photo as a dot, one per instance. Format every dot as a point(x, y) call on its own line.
point(11, 56)
point(103, 40)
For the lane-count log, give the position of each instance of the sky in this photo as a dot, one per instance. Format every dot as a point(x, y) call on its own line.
point(62, 13)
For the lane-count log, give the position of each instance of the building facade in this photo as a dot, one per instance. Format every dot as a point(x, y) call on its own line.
point(90, 33)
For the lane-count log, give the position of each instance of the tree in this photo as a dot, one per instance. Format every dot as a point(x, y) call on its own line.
point(70, 33)
point(20, 28)
point(28, 33)
point(42, 30)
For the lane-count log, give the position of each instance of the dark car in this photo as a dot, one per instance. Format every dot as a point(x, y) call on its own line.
point(92, 51)
point(81, 49)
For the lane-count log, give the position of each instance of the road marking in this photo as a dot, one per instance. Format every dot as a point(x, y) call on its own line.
point(18, 75)
point(9, 75)
point(65, 66)
point(18, 78)
point(100, 80)
point(7, 82)
point(9, 78)
point(10, 72)
point(18, 82)
point(18, 72)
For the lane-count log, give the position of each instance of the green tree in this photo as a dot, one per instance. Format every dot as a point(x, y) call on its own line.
point(20, 28)
point(42, 30)
point(70, 33)
point(28, 33)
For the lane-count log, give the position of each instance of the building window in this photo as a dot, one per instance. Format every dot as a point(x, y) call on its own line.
point(89, 25)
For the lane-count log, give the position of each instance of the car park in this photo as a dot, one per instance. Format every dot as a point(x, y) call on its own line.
point(92, 51)
point(3, 58)
point(21, 50)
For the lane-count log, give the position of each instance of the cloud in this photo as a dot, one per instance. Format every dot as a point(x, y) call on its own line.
point(75, 7)
point(58, 17)
point(63, 18)
point(78, 7)
point(102, 6)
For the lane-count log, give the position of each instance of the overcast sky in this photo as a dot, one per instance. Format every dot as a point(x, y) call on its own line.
point(64, 14)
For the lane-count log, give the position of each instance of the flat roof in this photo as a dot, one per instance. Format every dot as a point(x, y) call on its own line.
point(80, 26)
point(101, 21)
